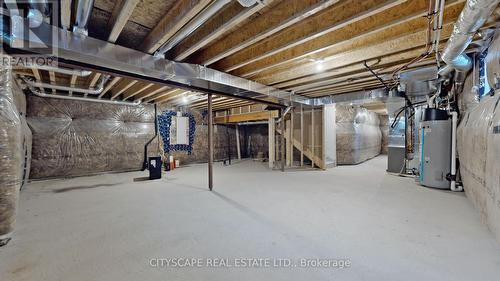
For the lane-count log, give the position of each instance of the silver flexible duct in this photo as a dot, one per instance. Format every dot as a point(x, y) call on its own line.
point(473, 16)
point(82, 16)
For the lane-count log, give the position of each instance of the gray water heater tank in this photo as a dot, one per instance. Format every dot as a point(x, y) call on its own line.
point(435, 148)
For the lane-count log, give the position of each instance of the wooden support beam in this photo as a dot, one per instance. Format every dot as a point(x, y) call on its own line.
point(329, 20)
point(65, 13)
point(400, 19)
point(375, 51)
point(283, 15)
point(214, 28)
point(52, 77)
point(246, 117)
point(165, 96)
point(38, 78)
point(342, 71)
point(121, 13)
point(109, 86)
point(155, 89)
point(119, 89)
point(179, 15)
point(137, 89)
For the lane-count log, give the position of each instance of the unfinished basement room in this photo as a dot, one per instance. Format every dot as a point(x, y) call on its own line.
point(250, 140)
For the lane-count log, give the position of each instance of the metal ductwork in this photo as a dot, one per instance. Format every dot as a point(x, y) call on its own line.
point(473, 16)
point(36, 92)
point(95, 91)
point(194, 24)
point(102, 56)
point(83, 12)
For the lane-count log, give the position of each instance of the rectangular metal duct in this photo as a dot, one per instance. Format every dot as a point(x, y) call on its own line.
point(87, 52)
point(81, 51)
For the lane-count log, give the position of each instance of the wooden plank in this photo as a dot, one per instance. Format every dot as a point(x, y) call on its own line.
point(375, 51)
point(214, 28)
point(121, 13)
point(329, 20)
point(66, 14)
point(72, 83)
point(155, 89)
point(179, 15)
point(246, 117)
point(119, 89)
point(163, 96)
point(404, 18)
point(281, 16)
point(109, 86)
point(136, 89)
point(38, 78)
point(52, 77)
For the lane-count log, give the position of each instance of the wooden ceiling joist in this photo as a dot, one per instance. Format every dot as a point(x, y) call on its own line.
point(121, 13)
point(214, 28)
point(329, 20)
point(406, 17)
point(281, 16)
point(386, 48)
point(180, 14)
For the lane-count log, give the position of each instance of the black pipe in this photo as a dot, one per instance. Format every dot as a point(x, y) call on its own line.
point(376, 75)
point(145, 162)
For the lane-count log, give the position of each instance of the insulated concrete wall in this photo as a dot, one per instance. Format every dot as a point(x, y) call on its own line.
point(358, 134)
point(11, 155)
point(478, 143)
point(74, 138)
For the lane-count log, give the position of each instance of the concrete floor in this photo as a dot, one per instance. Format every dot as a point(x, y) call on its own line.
point(108, 227)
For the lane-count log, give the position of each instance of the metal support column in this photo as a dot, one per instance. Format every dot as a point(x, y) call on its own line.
point(282, 139)
point(210, 143)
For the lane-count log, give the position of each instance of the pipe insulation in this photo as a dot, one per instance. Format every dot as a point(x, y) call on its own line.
point(473, 16)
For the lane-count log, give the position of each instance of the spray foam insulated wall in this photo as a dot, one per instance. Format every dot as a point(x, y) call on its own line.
point(478, 142)
point(73, 138)
point(11, 155)
point(358, 134)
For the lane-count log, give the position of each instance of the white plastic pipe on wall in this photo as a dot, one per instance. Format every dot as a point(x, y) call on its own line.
point(453, 172)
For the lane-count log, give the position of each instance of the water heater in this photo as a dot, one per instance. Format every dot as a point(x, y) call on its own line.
point(435, 148)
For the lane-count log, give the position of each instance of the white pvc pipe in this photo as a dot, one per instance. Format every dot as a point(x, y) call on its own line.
point(76, 72)
point(95, 91)
point(44, 95)
point(453, 172)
